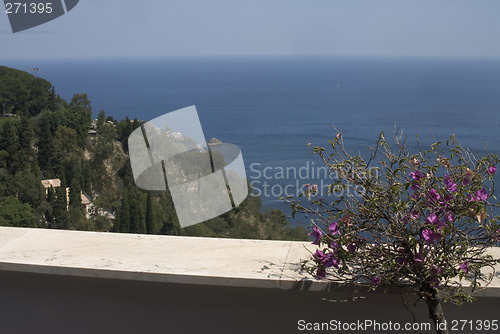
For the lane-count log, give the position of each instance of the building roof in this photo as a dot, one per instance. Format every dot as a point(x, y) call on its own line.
point(86, 200)
point(54, 183)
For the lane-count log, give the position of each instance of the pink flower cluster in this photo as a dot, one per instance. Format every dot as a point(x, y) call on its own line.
point(325, 261)
point(311, 187)
point(433, 233)
point(480, 196)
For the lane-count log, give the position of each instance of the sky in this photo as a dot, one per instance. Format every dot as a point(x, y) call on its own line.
point(147, 28)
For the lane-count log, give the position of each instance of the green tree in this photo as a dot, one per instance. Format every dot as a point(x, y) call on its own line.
point(82, 101)
point(21, 93)
point(73, 173)
point(76, 210)
point(101, 120)
point(79, 115)
point(123, 222)
point(27, 188)
point(60, 207)
point(13, 95)
point(9, 143)
point(48, 211)
point(124, 129)
point(65, 142)
point(54, 100)
point(45, 145)
point(16, 214)
point(137, 221)
point(75, 197)
point(26, 141)
point(86, 177)
point(149, 215)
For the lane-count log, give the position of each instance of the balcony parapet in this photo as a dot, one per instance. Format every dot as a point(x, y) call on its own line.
point(171, 259)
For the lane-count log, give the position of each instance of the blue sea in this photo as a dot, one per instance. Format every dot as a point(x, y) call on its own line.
point(273, 107)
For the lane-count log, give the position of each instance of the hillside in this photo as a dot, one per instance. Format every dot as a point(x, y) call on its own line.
point(44, 137)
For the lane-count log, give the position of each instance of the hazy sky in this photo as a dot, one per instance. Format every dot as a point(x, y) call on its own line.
point(125, 28)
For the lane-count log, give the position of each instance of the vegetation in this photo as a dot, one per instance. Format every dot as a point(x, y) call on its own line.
point(422, 222)
point(44, 137)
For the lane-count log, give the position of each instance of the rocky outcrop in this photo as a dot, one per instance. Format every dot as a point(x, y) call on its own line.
point(214, 141)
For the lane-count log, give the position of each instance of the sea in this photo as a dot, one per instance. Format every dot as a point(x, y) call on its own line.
point(272, 107)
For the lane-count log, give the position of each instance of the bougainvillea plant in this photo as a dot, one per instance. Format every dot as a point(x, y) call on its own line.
point(422, 220)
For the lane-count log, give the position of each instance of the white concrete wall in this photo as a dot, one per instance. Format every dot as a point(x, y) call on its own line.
point(81, 282)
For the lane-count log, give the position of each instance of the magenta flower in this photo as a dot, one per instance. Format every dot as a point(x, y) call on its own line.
point(351, 248)
point(418, 258)
point(415, 196)
point(321, 272)
point(448, 216)
point(376, 280)
point(316, 234)
point(467, 178)
point(465, 267)
point(415, 186)
point(334, 228)
point(433, 195)
point(430, 236)
point(481, 195)
point(330, 261)
point(311, 186)
point(335, 246)
point(491, 170)
point(319, 255)
point(434, 220)
point(416, 175)
point(435, 283)
point(450, 185)
point(435, 270)
point(414, 214)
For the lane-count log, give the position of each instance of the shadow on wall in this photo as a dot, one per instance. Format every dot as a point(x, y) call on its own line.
point(35, 303)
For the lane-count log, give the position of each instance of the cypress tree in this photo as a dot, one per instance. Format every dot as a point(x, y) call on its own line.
point(149, 215)
point(137, 223)
point(76, 212)
point(26, 152)
point(51, 195)
point(124, 218)
point(60, 207)
point(52, 100)
point(8, 143)
point(86, 185)
point(101, 119)
point(45, 144)
point(75, 197)
point(73, 173)
point(51, 199)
